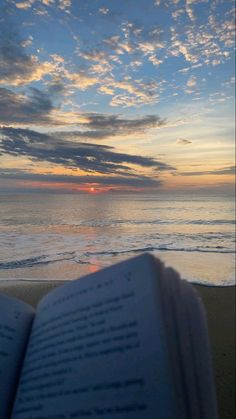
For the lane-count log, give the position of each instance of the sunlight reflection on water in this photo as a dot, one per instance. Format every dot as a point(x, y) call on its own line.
point(66, 236)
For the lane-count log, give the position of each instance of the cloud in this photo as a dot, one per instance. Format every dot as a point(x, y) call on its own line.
point(183, 141)
point(149, 46)
point(178, 13)
point(121, 124)
point(103, 10)
point(19, 108)
point(27, 42)
point(209, 43)
point(137, 92)
point(100, 67)
point(15, 64)
point(189, 10)
point(113, 124)
point(230, 170)
point(89, 157)
point(125, 91)
point(181, 47)
point(24, 5)
point(100, 126)
point(154, 60)
point(191, 81)
point(116, 62)
point(18, 68)
point(99, 74)
point(81, 79)
point(63, 5)
point(101, 62)
point(47, 2)
point(141, 41)
point(37, 107)
point(107, 181)
point(106, 90)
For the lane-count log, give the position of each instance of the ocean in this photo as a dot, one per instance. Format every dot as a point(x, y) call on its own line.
point(64, 236)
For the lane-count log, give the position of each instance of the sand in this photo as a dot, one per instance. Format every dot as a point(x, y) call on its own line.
point(220, 307)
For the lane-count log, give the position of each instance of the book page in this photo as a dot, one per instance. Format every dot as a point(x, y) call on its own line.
point(97, 350)
point(15, 324)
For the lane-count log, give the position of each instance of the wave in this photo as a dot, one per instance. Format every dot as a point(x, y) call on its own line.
point(113, 222)
point(207, 249)
point(99, 223)
point(210, 222)
point(37, 260)
point(85, 258)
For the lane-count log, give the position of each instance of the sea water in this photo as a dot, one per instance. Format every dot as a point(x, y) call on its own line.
point(64, 236)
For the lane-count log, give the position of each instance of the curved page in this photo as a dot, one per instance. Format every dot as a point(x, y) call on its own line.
point(97, 349)
point(15, 325)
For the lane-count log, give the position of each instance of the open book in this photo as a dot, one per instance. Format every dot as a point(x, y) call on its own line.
point(127, 342)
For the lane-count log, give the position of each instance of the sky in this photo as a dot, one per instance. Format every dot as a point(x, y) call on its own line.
point(119, 95)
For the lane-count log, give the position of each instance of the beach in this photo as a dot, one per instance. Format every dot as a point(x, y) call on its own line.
point(220, 307)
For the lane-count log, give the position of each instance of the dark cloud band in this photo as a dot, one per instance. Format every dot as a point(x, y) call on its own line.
point(71, 154)
point(108, 181)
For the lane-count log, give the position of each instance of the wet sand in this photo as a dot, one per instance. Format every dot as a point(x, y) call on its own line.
point(220, 307)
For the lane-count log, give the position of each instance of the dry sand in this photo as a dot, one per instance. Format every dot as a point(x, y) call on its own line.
point(220, 307)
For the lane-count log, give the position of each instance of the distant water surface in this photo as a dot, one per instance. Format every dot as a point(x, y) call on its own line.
point(60, 236)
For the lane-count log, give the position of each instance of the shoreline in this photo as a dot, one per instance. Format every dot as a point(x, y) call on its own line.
point(31, 281)
point(211, 268)
point(219, 302)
